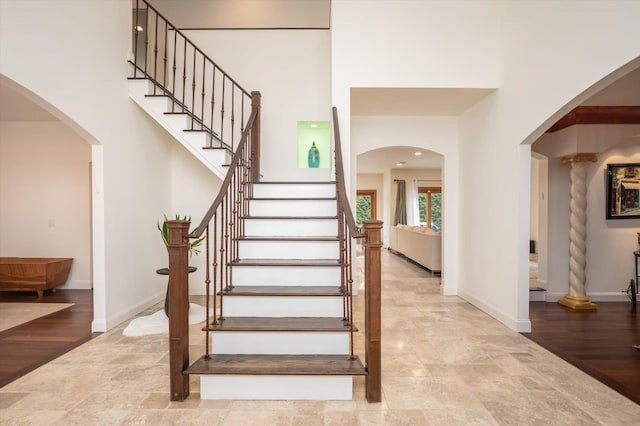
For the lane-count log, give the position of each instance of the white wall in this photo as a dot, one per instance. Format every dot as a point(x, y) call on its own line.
point(291, 69)
point(492, 44)
point(45, 207)
point(530, 98)
point(194, 187)
point(73, 55)
point(534, 197)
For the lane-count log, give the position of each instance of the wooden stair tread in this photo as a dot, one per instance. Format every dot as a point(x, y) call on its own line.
point(280, 238)
point(292, 217)
point(283, 290)
point(292, 365)
point(286, 262)
point(306, 324)
point(299, 182)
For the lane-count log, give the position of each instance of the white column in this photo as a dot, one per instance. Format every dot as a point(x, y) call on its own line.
point(577, 296)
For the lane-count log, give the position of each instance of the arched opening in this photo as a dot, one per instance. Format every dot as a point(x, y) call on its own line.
point(48, 172)
point(419, 171)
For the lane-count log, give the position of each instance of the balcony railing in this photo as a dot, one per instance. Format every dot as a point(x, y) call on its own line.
point(215, 102)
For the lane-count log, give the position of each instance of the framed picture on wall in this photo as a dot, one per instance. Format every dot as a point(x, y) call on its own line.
point(623, 191)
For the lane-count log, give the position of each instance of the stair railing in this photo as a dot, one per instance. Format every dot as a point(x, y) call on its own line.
point(372, 241)
point(222, 225)
point(214, 102)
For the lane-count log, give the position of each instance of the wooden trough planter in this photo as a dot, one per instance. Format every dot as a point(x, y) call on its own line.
point(33, 273)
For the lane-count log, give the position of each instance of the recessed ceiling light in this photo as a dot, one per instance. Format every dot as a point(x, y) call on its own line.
point(401, 163)
point(417, 153)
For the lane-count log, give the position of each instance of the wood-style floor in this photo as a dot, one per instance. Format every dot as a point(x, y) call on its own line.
point(28, 346)
point(599, 343)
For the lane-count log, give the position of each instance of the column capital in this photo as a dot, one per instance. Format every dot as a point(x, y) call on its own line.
point(583, 157)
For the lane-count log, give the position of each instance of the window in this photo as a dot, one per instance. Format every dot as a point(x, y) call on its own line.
point(365, 205)
point(430, 205)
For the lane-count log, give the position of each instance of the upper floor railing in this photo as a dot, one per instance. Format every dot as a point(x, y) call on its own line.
point(214, 101)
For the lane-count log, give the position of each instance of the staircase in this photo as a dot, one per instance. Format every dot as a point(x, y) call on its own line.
point(278, 255)
point(283, 331)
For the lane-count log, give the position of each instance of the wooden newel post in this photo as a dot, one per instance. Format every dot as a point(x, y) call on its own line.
point(256, 99)
point(178, 308)
point(373, 354)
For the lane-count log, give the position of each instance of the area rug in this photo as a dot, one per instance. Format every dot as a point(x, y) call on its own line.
point(14, 314)
point(158, 323)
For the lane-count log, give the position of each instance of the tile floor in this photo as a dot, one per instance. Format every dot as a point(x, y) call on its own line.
point(444, 363)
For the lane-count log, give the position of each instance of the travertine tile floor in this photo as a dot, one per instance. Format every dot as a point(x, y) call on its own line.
point(444, 363)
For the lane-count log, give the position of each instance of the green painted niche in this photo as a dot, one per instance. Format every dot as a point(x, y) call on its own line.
point(308, 133)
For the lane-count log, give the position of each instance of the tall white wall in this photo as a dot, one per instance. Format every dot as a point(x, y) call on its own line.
point(45, 207)
point(492, 44)
point(538, 84)
point(291, 69)
point(73, 55)
point(194, 187)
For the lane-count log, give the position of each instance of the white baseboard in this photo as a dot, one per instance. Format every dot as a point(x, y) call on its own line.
point(126, 314)
point(77, 285)
point(518, 325)
point(537, 296)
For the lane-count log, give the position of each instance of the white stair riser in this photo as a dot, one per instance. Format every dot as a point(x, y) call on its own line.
point(293, 208)
point(280, 343)
point(291, 388)
point(158, 105)
point(288, 249)
point(177, 122)
point(282, 306)
point(217, 156)
point(285, 275)
point(291, 228)
point(265, 190)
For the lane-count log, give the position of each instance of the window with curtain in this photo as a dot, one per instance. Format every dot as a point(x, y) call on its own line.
point(430, 207)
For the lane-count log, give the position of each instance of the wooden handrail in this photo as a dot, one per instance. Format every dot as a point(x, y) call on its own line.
point(343, 199)
point(372, 247)
point(226, 204)
point(222, 193)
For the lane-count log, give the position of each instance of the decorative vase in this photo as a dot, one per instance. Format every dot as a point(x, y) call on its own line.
point(314, 156)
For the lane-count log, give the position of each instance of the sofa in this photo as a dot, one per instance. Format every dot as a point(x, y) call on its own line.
point(421, 245)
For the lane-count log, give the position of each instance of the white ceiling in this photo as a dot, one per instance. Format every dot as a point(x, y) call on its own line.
point(414, 101)
point(383, 159)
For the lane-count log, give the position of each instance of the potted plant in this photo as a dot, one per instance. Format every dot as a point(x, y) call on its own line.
point(192, 246)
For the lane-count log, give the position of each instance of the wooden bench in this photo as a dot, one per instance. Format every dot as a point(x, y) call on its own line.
point(33, 273)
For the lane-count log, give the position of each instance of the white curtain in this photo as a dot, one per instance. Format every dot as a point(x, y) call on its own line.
point(413, 212)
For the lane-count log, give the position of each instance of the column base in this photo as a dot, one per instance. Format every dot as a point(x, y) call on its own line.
point(577, 303)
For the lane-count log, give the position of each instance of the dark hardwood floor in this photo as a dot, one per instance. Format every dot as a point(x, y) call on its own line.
point(28, 346)
point(598, 343)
